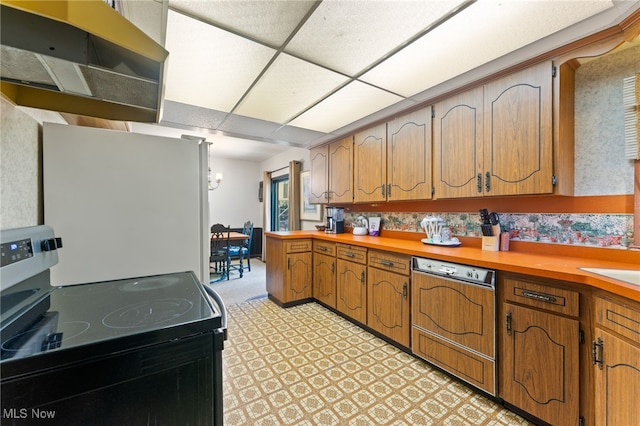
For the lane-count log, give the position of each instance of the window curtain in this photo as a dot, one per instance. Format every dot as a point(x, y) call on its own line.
point(266, 212)
point(294, 195)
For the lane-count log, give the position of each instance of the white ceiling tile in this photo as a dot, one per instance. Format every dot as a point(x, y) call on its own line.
point(351, 103)
point(348, 36)
point(268, 21)
point(209, 67)
point(288, 87)
point(499, 27)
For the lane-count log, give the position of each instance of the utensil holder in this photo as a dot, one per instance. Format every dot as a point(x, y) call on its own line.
point(490, 243)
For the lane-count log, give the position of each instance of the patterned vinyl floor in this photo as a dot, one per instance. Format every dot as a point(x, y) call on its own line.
point(306, 365)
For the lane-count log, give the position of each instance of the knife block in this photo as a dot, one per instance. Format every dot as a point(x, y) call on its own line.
point(490, 243)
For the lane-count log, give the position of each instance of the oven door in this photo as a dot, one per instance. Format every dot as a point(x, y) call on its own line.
point(454, 327)
point(168, 383)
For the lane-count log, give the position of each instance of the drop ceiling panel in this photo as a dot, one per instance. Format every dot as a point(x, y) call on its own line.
point(348, 36)
point(210, 67)
point(191, 115)
point(351, 103)
point(288, 87)
point(268, 21)
point(499, 27)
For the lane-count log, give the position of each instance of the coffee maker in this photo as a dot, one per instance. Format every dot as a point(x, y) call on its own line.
point(335, 220)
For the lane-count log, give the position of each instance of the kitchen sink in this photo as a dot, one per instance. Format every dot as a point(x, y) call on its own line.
point(631, 276)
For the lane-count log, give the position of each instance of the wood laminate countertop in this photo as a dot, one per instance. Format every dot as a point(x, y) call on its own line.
point(547, 266)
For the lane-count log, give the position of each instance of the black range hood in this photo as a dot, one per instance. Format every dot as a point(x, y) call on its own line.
point(79, 57)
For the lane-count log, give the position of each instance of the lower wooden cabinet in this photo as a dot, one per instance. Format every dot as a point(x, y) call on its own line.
point(539, 363)
point(324, 279)
point(388, 298)
point(616, 360)
point(351, 282)
point(289, 270)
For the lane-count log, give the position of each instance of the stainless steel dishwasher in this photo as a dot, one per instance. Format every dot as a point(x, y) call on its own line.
point(453, 320)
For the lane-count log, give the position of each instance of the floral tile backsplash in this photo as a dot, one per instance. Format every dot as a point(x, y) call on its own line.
point(595, 230)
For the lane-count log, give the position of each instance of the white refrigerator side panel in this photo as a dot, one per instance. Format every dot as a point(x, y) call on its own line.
point(125, 204)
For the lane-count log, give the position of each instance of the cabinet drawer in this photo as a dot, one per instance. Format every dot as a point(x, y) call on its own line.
point(324, 247)
point(352, 253)
point(297, 246)
point(621, 319)
point(542, 296)
point(466, 365)
point(390, 262)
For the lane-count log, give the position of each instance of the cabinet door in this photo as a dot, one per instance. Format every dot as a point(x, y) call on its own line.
point(319, 191)
point(298, 284)
point(617, 382)
point(518, 117)
point(351, 286)
point(370, 164)
point(324, 279)
point(539, 364)
point(388, 305)
point(409, 157)
point(458, 145)
point(341, 171)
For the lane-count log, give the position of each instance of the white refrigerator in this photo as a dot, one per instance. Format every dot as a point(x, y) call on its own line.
point(125, 205)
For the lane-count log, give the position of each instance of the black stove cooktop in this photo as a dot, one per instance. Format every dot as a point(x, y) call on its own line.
point(146, 309)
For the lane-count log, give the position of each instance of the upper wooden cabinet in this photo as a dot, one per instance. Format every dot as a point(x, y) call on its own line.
point(498, 139)
point(332, 172)
point(392, 161)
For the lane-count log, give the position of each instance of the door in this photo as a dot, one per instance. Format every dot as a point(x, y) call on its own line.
point(388, 305)
point(352, 290)
point(324, 278)
point(539, 365)
point(280, 203)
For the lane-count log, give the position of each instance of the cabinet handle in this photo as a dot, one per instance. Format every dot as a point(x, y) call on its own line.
point(333, 267)
point(597, 347)
point(382, 190)
point(323, 248)
point(508, 323)
point(386, 262)
point(362, 277)
point(479, 182)
point(388, 190)
point(288, 263)
point(539, 296)
point(487, 181)
point(404, 290)
point(349, 254)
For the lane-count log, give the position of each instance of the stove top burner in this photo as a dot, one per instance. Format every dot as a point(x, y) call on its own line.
point(152, 283)
point(147, 313)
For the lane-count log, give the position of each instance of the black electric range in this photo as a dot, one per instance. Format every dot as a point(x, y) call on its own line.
point(144, 350)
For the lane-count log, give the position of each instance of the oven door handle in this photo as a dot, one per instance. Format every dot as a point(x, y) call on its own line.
point(223, 309)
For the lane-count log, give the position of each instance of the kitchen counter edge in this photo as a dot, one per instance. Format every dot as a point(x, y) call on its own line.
point(553, 267)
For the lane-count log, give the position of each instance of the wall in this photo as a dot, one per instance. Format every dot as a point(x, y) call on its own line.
point(601, 168)
point(236, 199)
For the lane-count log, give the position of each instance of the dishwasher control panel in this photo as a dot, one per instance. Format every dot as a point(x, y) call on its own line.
point(457, 271)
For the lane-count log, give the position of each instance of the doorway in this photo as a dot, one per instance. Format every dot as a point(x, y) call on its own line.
point(280, 203)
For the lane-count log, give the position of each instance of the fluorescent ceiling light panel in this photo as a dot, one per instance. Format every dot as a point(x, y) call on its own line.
point(481, 33)
point(210, 67)
point(353, 102)
point(348, 36)
point(270, 22)
point(288, 87)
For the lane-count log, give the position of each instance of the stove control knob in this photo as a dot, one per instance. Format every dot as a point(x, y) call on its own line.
point(51, 244)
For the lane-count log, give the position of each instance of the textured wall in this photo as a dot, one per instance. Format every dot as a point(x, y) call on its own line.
point(601, 168)
point(20, 168)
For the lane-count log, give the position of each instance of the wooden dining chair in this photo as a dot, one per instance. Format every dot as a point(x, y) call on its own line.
point(219, 260)
point(241, 252)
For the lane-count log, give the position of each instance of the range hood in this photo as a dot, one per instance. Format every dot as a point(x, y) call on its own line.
point(79, 57)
